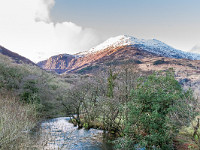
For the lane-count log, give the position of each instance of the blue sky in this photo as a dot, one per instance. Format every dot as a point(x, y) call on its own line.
point(96, 13)
point(38, 29)
point(113, 11)
point(168, 20)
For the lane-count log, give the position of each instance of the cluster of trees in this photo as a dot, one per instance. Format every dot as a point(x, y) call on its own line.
point(143, 110)
point(98, 100)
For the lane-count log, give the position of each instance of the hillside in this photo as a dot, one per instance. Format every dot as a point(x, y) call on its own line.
point(58, 63)
point(29, 83)
point(152, 55)
point(14, 56)
point(151, 45)
point(28, 95)
point(115, 51)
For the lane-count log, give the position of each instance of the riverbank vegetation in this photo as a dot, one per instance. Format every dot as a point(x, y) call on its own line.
point(142, 110)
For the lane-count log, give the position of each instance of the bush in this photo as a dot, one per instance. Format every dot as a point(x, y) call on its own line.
point(30, 92)
point(124, 62)
point(87, 69)
point(15, 118)
point(159, 62)
point(9, 77)
point(157, 110)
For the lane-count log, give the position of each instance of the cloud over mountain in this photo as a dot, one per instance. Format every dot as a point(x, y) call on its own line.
point(26, 28)
point(196, 49)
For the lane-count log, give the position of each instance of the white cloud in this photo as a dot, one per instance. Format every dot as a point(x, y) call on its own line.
point(196, 49)
point(43, 10)
point(26, 28)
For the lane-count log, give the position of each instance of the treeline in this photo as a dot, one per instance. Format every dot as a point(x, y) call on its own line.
point(142, 110)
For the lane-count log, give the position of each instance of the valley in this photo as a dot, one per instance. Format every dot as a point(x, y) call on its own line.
point(124, 51)
point(100, 89)
point(99, 75)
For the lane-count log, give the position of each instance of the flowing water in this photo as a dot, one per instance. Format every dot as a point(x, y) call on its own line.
point(59, 134)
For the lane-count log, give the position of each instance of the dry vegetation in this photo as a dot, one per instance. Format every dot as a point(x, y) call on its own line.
point(15, 120)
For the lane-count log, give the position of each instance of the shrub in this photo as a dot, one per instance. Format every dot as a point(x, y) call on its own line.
point(158, 109)
point(30, 92)
point(159, 62)
point(15, 118)
point(9, 77)
point(87, 69)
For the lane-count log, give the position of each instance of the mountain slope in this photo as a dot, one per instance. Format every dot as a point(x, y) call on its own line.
point(29, 83)
point(121, 49)
point(14, 56)
point(75, 64)
point(152, 45)
point(58, 63)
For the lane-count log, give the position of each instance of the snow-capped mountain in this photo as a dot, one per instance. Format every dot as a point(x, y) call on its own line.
point(152, 45)
point(122, 50)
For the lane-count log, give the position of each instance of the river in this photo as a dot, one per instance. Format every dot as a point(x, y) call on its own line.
point(59, 134)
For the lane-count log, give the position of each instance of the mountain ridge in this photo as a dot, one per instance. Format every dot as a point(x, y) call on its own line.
point(14, 56)
point(118, 48)
point(151, 45)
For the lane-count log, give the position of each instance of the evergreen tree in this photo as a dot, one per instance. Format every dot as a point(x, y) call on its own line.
point(155, 101)
point(111, 79)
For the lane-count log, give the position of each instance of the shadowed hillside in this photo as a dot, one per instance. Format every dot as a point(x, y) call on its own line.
point(14, 56)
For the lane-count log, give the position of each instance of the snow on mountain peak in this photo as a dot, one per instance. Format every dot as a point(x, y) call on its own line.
point(114, 42)
point(151, 45)
point(123, 40)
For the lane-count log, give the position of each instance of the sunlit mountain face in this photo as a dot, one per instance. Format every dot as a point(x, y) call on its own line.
point(118, 49)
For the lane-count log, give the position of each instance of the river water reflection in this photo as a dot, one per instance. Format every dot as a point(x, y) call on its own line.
point(59, 134)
